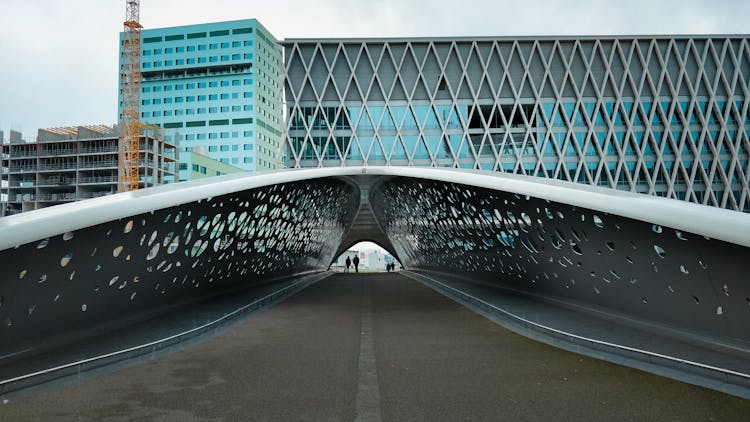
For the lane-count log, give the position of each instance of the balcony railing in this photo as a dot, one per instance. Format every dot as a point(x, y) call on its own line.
point(56, 166)
point(21, 154)
point(22, 169)
point(55, 152)
point(95, 164)
point(26, 197)
point(57, 181)
point(68, 196)
point(96, 150)
point(98, 179)
point(89, 195)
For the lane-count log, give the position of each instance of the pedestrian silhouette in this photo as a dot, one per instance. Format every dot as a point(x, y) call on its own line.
point(356, 263)
point(348, 264)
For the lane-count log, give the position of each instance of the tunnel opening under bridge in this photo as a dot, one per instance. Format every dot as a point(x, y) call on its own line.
point(371, 257)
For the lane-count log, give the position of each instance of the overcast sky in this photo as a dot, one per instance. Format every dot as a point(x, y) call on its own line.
point(58, 58)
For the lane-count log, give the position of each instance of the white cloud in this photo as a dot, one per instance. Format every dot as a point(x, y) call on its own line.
point(58, 59)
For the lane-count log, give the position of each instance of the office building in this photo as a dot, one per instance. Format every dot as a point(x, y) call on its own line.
point(660, 115)
point(215, 86)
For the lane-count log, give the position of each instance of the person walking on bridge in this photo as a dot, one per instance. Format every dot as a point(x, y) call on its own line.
point(348, 264)
point(356, 263)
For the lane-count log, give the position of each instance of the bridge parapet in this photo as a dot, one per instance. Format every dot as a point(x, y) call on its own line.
point(78, 282)
point(622, 267)
point(662, 264)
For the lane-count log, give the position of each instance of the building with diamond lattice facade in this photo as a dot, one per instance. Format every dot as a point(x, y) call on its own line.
point(661, 115)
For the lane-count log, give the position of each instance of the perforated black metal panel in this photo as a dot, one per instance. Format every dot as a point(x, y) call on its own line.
point(75, 282)
point(268, 226)
point(627, 267)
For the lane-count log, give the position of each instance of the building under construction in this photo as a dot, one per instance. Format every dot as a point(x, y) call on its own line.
point(73, 163)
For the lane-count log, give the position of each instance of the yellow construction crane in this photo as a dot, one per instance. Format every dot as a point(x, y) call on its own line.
point(130, 106)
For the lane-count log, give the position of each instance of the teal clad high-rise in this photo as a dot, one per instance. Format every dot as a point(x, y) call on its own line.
point(215, 86)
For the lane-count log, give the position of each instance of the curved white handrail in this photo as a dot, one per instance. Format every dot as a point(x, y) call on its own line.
point(717, 223)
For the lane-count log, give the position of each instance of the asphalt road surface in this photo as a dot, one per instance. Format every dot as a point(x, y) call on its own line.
point(374, 347)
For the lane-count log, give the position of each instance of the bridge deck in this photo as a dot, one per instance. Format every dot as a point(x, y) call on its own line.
point(375, 345)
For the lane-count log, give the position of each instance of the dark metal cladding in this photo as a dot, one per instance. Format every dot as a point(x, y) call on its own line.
point(622, 259)
point(78, 283)
point(624, 268)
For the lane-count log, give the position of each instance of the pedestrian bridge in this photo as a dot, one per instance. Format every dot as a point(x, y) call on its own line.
point(671, 268)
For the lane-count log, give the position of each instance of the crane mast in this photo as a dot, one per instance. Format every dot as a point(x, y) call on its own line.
point(130, 85)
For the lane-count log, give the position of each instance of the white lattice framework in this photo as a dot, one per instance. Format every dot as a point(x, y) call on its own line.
point(667, 116)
